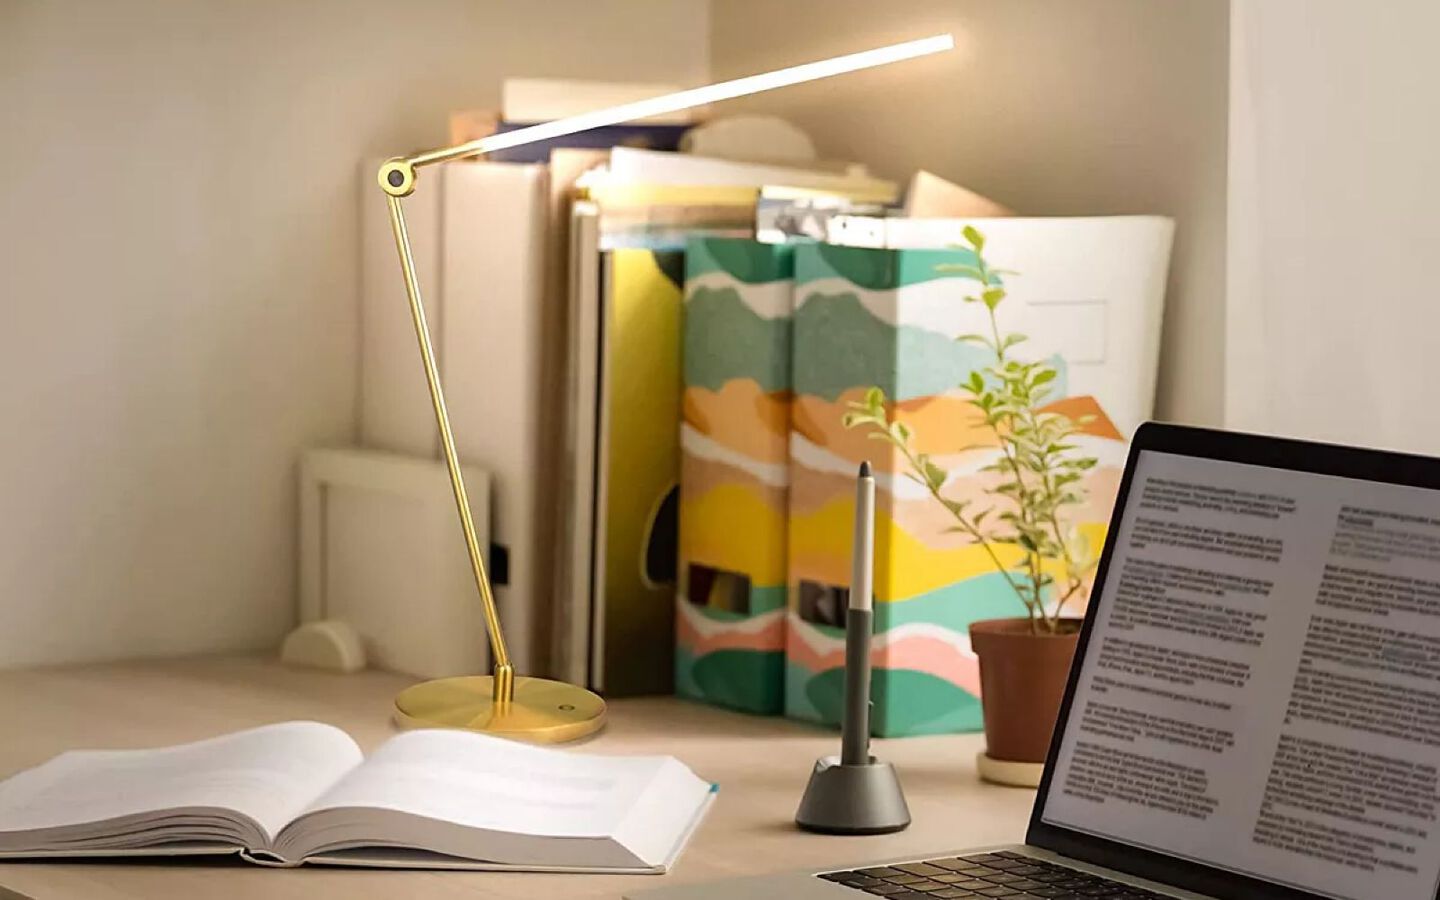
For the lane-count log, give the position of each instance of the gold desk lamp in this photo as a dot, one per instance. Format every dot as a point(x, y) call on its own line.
point(504, 704)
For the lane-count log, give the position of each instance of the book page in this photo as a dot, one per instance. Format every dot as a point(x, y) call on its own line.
point(478, 781)
point(267, 774)
point(1261, 687)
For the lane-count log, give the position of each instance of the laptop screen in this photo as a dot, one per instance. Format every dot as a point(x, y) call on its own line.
point(1260, 690)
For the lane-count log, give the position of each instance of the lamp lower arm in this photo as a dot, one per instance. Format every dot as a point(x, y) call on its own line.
point(504, 684)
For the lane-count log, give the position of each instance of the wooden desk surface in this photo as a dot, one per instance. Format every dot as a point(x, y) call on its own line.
point(760, 763)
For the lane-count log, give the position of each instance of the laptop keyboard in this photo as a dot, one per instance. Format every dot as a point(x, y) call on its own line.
point(1004, 874)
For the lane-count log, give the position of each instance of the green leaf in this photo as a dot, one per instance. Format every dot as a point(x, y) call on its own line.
point(1044, 376)
point(992, 297)
point(902, 431)
point(956, 507)
point(974, 339)
point(960, 269)
point(974, 238)
point(977, 382)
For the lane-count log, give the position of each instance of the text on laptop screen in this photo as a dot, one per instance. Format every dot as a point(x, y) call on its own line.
point(1261, 687)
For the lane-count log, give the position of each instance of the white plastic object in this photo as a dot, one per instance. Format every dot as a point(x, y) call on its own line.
point(327, 644)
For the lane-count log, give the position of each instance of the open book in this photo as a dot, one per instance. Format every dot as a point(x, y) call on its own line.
point(302, 792)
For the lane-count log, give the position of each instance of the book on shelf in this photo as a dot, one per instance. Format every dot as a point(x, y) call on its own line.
point(656, 167)
point(618, 529)
point(637, 471)
point(928, 196)
point(664, 216)
point(574, 619)
point(302, 792)
point(658, 201)
point(650, 136)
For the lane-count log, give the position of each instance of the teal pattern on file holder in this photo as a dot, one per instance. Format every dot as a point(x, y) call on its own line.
point(734, 474)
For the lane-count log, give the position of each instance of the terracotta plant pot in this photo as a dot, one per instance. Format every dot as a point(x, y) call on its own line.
point(1022, 681)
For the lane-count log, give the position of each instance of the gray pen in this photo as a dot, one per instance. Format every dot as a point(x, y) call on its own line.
point(855, 793)
point(859, 625)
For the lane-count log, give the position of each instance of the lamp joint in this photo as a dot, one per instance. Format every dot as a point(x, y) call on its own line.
point(397, 177)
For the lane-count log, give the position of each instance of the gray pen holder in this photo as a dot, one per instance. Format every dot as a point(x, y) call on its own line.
point(864, 799)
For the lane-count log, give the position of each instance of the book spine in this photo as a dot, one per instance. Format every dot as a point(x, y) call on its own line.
point(492, 351)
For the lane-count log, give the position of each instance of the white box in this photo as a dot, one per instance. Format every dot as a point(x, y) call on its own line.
point(381, 550)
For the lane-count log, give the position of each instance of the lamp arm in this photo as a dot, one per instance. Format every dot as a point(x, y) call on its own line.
point(504, 682)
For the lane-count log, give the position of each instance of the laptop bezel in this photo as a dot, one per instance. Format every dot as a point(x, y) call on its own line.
point(1279, 453)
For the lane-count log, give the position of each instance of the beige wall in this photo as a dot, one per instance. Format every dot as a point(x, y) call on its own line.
point(1053, 107)
point(178, 278)
point(1335, 142)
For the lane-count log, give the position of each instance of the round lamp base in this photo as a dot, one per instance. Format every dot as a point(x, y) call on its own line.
point(542, 711)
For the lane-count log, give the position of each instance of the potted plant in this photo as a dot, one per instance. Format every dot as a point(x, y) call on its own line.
point(1033, 482)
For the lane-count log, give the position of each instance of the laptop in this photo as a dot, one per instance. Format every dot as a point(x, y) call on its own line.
point(1254, 708)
